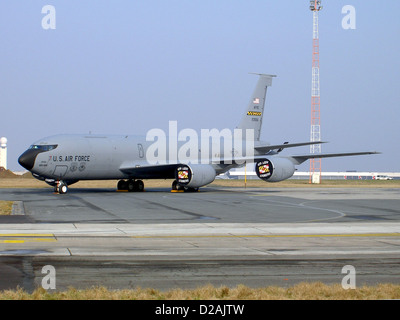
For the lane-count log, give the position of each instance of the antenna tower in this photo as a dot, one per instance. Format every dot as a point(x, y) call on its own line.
point(315, 164)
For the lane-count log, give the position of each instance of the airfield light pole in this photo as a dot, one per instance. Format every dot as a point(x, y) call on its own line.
point(315, 164)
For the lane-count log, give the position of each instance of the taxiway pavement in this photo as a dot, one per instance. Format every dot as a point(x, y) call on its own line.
point(223, 236)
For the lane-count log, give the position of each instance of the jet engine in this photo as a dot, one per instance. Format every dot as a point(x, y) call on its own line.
point(274, 169)
point(195, 175)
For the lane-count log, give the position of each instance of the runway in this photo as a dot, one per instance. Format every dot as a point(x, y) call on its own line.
point(223, 236)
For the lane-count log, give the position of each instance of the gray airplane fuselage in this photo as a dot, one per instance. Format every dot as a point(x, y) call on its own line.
point(102, 157)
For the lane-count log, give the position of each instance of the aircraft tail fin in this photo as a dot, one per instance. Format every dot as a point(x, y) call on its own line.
point(252, 119)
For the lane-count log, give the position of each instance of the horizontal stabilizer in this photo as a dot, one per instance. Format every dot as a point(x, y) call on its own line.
point(300, 159)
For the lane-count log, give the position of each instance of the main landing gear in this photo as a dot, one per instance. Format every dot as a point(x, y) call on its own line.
point(177, 188)
point(130, 185)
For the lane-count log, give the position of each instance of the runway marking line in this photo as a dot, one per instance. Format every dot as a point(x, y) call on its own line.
point(26, 237)
point(275, 236)
point(12, 241)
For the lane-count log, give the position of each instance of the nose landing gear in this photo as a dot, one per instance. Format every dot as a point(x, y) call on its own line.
point(61, 187)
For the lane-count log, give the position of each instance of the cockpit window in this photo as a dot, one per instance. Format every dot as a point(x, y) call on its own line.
point(43, 148)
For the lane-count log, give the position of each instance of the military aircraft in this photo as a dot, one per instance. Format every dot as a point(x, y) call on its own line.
point(62, 160)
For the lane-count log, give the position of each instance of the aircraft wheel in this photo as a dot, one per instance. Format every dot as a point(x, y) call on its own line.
point(176, 186)
point(62, 188)
point(140, 185)
point(191, 189)
point(122, 185)
point(131, 185)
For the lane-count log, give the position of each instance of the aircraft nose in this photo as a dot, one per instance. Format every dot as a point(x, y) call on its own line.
point(27, 159)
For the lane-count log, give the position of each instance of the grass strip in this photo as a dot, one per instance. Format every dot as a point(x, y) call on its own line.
point(5, 207)
point(301, 291)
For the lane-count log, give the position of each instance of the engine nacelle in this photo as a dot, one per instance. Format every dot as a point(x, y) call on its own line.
point(195, 175)
point(274, 169)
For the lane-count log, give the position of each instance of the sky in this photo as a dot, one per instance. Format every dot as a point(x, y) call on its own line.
point(126, 67)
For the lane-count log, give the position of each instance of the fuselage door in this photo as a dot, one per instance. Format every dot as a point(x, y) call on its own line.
point(60, 171)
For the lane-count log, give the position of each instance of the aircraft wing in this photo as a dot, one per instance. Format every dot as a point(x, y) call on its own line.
point(167, 171)
point(301, 158)
point(297, 159)
point(267, 148)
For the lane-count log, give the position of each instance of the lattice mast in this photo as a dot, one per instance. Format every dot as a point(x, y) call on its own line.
point(315, 164)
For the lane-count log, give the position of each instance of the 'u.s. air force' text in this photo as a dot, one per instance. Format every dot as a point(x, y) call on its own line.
point(82, 158)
